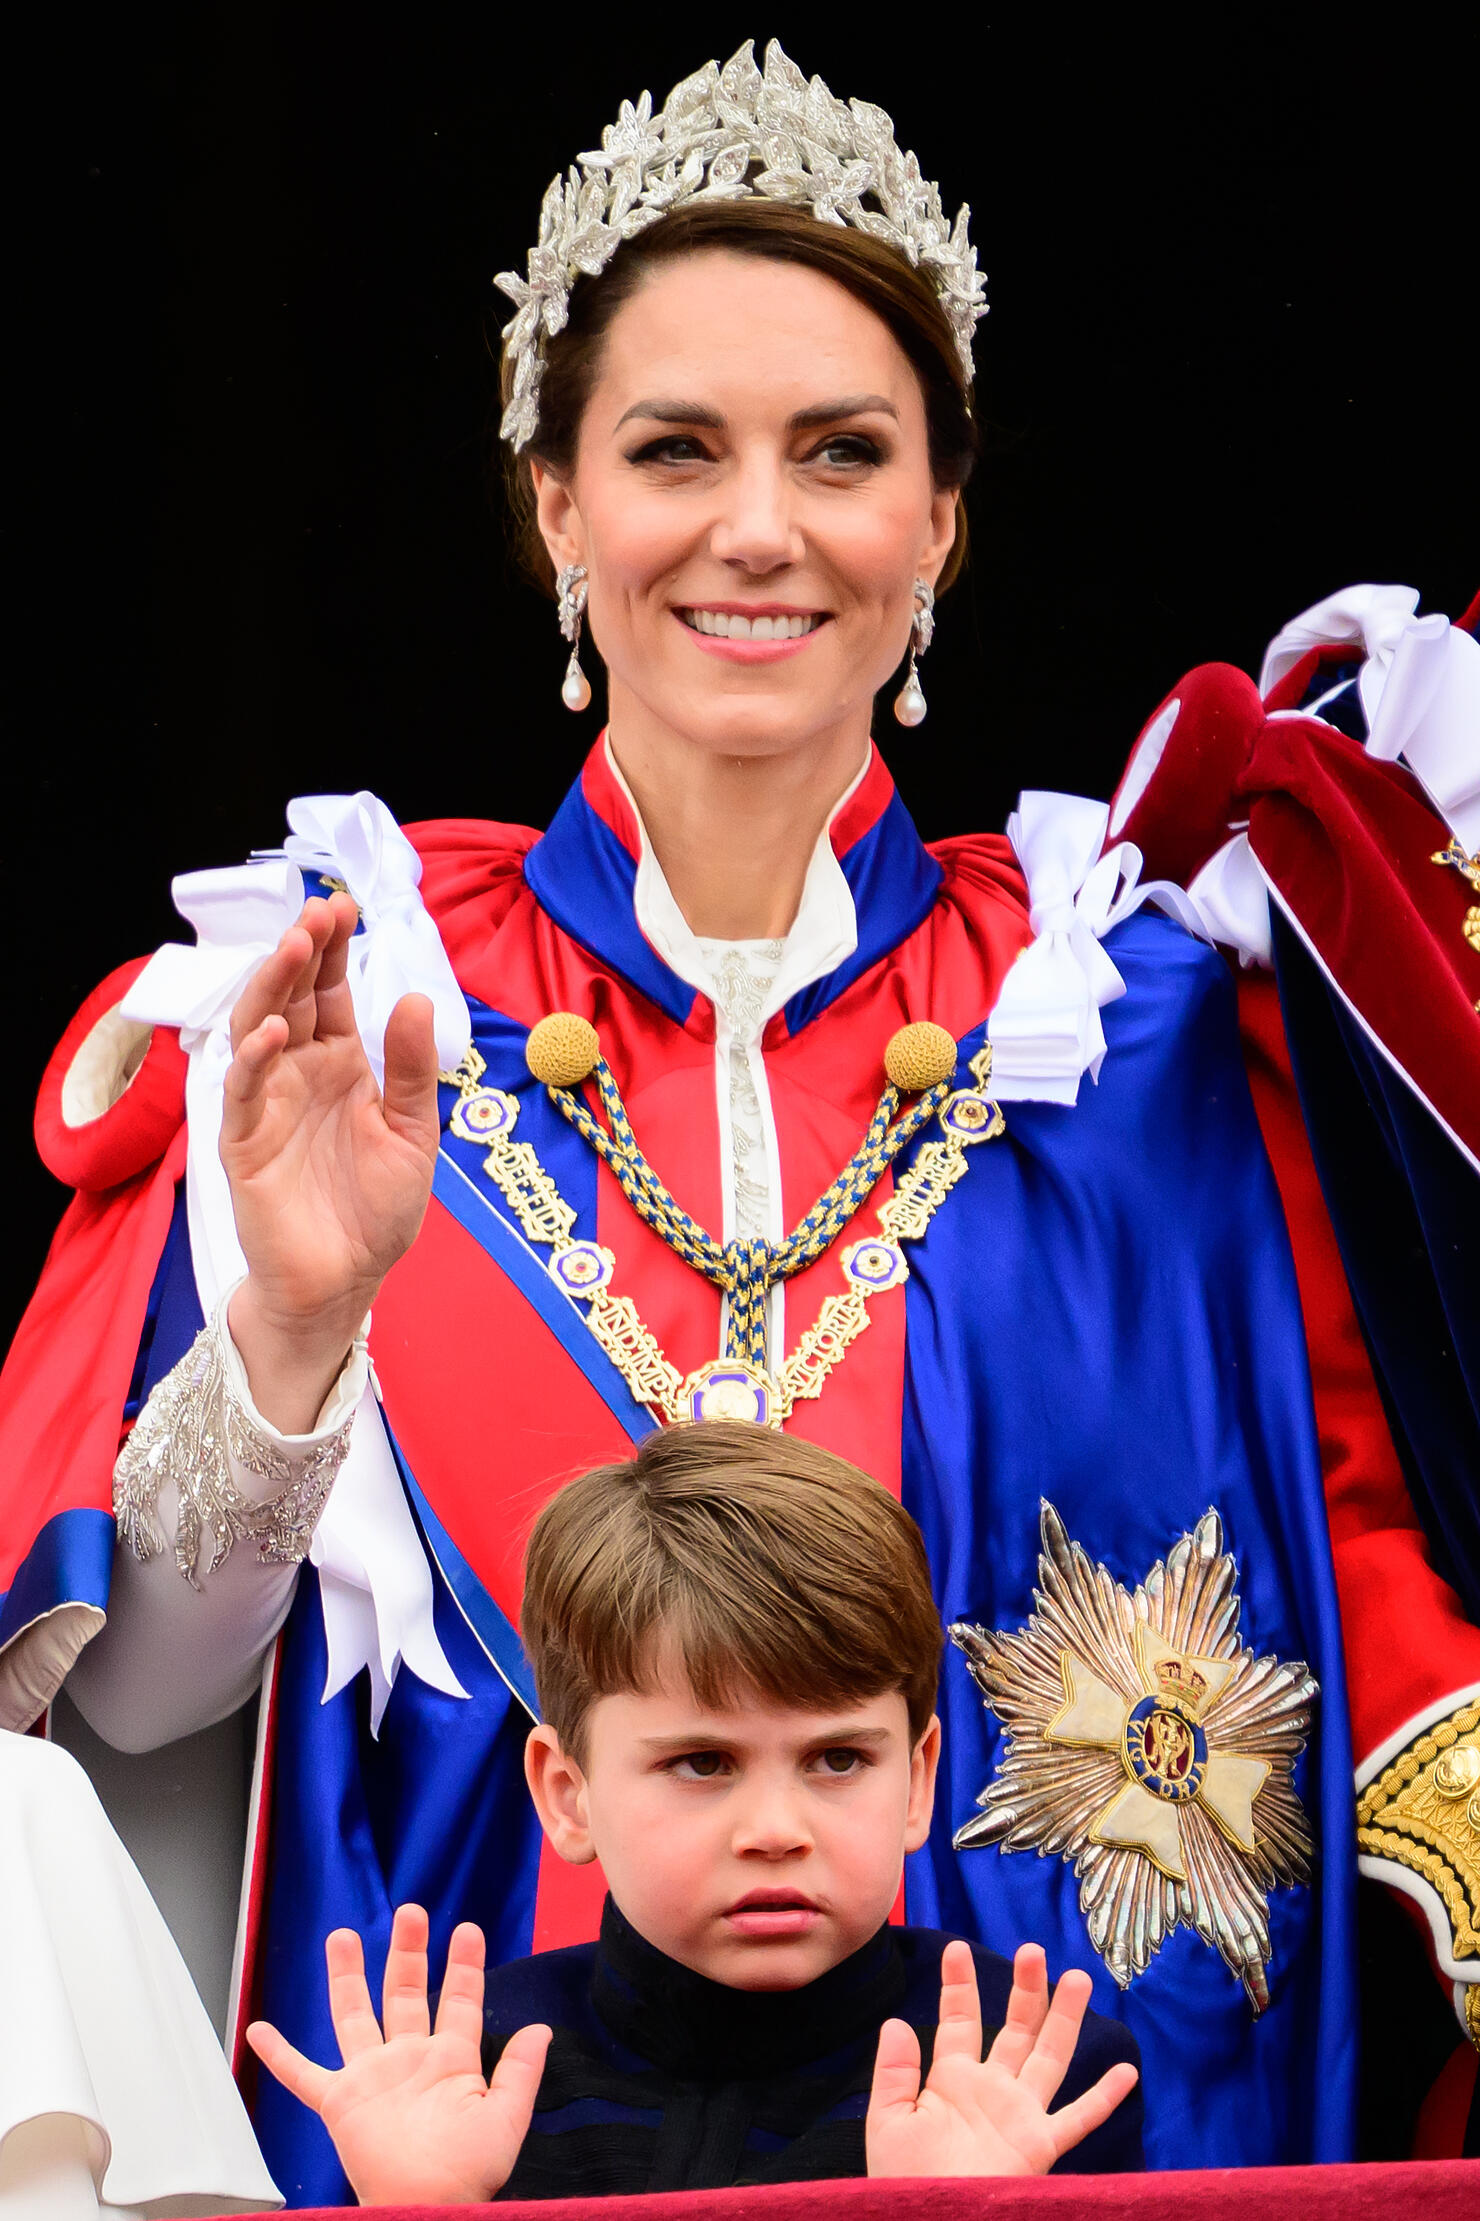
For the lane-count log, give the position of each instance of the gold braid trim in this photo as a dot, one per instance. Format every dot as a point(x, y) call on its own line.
point(1420, 1752)
point(1423, 1813)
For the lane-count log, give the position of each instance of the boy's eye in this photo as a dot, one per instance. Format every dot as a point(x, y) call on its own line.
point(843, 1759)
point(699, 1765)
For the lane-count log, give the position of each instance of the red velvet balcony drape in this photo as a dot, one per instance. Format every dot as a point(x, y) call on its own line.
point(1435, 2190)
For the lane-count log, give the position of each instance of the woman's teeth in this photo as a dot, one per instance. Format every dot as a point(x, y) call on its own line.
point(725, 625)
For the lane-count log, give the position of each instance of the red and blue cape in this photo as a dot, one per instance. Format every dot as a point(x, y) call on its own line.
point(1103, 1313)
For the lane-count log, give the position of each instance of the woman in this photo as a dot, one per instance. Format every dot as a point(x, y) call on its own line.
point(114, 2096)
point(566, 1130)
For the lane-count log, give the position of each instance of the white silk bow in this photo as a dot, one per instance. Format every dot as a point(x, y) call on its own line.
point(1370, 617)
point(1045, 1027)
point(353, 837)
point(1231, 899)
point(1428, 713)
point(1420, 691)
point(374, 1578)
point(1419, 685)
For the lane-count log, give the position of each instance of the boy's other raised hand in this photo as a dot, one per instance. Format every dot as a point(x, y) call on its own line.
point(413, 2121)
point(987, 2116)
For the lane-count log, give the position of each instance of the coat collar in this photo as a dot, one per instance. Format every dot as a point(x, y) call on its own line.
point(870, 883)
point(704, 2031)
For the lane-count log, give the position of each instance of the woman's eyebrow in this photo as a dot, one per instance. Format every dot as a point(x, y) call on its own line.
point(823, 412)
point(674, 412)
point(852, 404)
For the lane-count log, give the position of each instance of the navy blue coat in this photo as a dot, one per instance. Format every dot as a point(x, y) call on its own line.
point(659, 2079)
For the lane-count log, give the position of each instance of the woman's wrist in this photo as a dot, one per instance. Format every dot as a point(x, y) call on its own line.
point(291, 1359)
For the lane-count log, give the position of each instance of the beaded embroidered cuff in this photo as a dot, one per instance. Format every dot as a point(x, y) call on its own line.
point(189, 1433)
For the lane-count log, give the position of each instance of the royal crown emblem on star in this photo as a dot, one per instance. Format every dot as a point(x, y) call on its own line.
point(1148, 1746)
point(725, 134)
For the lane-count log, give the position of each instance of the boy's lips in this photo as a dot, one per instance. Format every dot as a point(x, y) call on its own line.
point(773, 1913)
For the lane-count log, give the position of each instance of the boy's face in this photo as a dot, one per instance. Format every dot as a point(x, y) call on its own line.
point(757, 1845)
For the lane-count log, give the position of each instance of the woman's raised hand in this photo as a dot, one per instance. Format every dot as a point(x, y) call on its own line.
point(987, 2116)
point(413, 2121)
point(329, 1175)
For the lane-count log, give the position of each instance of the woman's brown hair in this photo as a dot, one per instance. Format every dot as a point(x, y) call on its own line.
point(903, 298)
point(755, 1564)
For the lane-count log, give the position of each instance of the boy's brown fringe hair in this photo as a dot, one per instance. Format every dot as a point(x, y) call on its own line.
point(755, 1564)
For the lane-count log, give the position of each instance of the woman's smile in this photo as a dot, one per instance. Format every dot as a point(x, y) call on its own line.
point(761, 632)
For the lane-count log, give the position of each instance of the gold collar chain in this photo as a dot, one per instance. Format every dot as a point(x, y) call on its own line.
point(727, 1387)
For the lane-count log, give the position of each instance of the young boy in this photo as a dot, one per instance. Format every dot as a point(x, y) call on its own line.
point(736, 1651)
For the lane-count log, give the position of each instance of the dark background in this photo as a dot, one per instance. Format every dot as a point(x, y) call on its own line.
point(259, 555)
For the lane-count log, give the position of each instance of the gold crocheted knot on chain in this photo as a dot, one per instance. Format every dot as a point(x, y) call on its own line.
point(562, 1050)
point(919, 1056)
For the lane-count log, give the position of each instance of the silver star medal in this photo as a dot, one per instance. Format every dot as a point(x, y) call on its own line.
point(1151, 1749)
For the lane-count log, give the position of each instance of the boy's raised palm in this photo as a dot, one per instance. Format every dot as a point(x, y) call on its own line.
point(987, 2116)
point(412, 2119)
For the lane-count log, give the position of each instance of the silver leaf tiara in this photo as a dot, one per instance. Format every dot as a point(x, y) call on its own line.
point(712, 131)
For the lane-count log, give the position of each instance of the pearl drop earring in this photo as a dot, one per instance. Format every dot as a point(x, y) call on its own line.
point(575, 690)
point(909, 703)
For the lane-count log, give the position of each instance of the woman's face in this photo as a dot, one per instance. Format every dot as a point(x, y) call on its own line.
point(752, 460)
